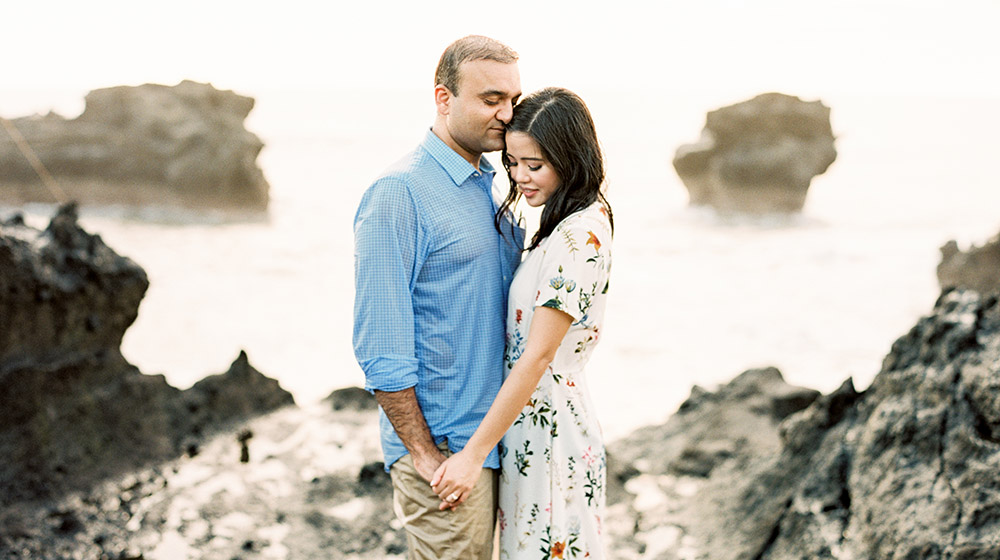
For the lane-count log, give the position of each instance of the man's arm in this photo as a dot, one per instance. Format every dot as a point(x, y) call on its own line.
point(386, 259)
point(404, 413)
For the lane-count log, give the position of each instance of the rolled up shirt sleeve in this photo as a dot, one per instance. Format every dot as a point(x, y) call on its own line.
point(386, 238)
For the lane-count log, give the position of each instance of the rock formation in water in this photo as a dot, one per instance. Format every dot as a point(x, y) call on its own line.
point(758, 156)
point(906, 469)
point(74, 410)
point(181, 146)
point(976, 269)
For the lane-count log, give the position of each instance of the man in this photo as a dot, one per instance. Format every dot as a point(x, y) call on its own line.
point(431, 275)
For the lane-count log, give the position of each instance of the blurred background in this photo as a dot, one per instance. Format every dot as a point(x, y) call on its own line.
point(342, 91)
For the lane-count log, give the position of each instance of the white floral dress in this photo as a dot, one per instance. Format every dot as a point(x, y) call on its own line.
point(552, 482)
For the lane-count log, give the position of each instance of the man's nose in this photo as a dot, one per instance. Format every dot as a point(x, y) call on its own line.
point(506, 111)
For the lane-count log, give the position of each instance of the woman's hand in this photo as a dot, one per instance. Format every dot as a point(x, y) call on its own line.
point(454, 479)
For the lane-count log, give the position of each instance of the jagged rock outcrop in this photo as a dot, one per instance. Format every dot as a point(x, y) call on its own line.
point(758, 156)
point(74, 410)
point(183, 146)
point(712, 427)
point(978, 268)
point(712, 432)
point(906, 469)
point(239, 393)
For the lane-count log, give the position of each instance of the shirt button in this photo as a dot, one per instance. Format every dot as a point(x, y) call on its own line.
point(475, 174)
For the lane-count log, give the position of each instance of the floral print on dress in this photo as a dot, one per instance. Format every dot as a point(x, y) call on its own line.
point(554, 467)
point(561, 292)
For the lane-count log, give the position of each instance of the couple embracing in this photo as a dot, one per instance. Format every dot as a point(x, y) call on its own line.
point(475, 344)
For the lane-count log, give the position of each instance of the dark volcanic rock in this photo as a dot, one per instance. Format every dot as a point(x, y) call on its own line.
point(239, 393)
point(709, 428)
point(184, 146)
point(374, 481)
point(907, 469)
point(976, 269)
point(758, 156)
point(910, 469)
point(711, 432)
point(74, 410)
point(63, 292)
point(352, 398)
point(369, 532)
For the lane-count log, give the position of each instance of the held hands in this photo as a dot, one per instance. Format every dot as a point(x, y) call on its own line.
point(427, 464)
point(454, 479)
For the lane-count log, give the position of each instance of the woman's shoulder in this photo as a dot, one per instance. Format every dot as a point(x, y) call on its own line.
point(587, 219)
point(589, 226)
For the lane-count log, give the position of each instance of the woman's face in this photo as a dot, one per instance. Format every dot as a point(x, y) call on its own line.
point(533, 174)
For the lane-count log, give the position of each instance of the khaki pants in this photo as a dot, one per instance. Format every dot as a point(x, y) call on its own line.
point(465, 532)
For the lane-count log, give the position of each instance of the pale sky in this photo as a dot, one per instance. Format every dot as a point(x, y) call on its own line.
point(813, 48)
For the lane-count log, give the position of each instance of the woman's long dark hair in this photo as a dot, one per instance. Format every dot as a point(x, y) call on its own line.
point(560, 123)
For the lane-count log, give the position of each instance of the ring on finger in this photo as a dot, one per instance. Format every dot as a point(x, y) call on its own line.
point(452, 497)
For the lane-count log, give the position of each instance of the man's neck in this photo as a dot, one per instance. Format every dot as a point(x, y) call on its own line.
point(441, 131)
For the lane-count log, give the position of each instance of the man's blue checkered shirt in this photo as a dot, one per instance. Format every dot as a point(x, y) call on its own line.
point(431, 279)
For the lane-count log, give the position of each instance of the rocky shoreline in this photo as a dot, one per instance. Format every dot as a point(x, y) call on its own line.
point(754, 469)
point(102, 461)
point(76, 414)
point(308, 486)
point(904, 469)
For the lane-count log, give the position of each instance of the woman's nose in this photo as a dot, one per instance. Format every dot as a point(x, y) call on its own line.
point(520, 175)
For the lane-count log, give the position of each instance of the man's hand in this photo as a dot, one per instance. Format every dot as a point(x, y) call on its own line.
point(427, 463)
point(403, 411)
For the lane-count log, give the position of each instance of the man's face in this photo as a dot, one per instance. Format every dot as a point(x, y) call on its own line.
point(488, 91)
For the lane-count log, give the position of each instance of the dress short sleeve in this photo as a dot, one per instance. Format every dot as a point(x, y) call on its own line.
point(575, 266)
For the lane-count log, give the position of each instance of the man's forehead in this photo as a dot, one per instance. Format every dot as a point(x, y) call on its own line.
point(489, 77)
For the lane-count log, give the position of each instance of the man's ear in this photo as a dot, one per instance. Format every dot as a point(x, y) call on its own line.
point(442, 99)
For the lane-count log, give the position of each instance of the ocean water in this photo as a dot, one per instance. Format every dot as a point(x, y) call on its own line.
point(696, 298)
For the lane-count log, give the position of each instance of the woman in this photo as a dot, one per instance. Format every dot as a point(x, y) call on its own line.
point(553, 461)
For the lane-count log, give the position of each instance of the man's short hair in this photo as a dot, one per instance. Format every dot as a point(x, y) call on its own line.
point(473, 47)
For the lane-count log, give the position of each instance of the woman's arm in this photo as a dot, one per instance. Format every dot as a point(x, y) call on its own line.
point(457, 475)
